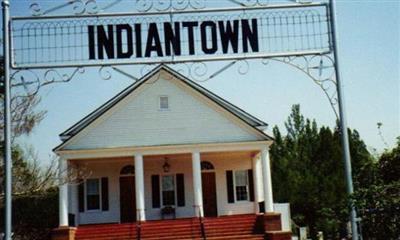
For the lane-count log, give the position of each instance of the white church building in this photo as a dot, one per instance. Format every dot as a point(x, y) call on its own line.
point(164, 148)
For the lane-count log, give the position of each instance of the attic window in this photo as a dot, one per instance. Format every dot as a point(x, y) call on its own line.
point(164, 103)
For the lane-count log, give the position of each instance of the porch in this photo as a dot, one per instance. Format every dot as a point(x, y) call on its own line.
point(161, 185)
point(130, 189)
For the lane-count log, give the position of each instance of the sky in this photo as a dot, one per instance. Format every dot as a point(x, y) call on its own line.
point(369, 52)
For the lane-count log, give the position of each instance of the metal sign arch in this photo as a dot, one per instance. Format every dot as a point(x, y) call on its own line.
point(313, 36)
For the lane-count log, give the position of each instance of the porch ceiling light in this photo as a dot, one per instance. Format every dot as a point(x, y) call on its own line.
point(166, 165)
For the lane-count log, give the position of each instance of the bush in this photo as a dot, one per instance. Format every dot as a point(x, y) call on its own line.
point(378, 196)
point(34, 216)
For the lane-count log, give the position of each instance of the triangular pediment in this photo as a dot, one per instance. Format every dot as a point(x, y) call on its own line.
point(137, 120)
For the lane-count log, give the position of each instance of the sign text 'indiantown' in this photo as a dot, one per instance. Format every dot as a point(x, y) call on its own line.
point(126, 41)
point(182, 36)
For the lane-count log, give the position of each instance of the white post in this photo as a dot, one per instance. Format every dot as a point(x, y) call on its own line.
point(197, 188)
point(139, 182)
point(257, 179)
point(267, 183)
point(63, 192)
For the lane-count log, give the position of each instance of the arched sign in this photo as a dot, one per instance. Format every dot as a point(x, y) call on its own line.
point(162, 37)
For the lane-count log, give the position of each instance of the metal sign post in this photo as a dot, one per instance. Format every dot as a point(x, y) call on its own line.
point(343, 120)
point(7, 123)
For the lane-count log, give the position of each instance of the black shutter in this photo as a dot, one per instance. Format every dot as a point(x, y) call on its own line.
point(229, 186)
point(71, 220)
point(251, 184)
point(180, 188)
point(104, 194)
point(81, 196)
point(155, 190)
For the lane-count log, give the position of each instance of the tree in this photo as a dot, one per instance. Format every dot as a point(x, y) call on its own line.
point(34, 197)
point(29, 177)
point(308, 172)
point(378, 196)
point(34, 186)
point(24, 115)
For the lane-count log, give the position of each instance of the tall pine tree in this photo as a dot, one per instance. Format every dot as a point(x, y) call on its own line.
point(308, 172)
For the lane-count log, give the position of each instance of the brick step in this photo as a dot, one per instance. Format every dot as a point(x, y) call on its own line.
point(105, 233)
point(238, 237)
point(226, 219)
point(228, 237)
point(106, 238)
point(215, 222)
point(169, 227)
point(116, 235)
point(226, 232)
point(181, 233)
point(181, 237)
point(278, 235)
point(172, 233)
point(171, 221)
point(171, 237)
point(123, 234)
point(229, 226)
point(225, 227)
point(107, 227)
point(234, 237)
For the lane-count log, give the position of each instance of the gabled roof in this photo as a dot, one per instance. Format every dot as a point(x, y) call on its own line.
point(83, 123)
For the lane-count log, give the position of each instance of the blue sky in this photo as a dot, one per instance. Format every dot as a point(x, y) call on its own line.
point(369, 33)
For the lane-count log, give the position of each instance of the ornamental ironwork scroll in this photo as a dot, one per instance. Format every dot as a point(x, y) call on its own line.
point(173, 36)
point(185, 34)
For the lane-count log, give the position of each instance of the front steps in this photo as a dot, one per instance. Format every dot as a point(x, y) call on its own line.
point(237, 227)
point(232, 227)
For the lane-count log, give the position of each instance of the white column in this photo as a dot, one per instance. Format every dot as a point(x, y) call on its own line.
point(267, 182)
point(197, 188)
point(139, 186)
point(257, 179)
point(63, 192)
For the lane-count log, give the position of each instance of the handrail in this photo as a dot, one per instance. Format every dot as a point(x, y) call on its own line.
point(202, 227)
point(138, 224)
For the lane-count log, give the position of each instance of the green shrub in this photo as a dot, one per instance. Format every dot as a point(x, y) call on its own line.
point(34, 216)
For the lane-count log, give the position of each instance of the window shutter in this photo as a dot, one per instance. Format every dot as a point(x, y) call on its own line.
point(251, 184)
point(81, 196)
point(229, 186)
point(104, 194)
point(180, 188)
point(155, 190)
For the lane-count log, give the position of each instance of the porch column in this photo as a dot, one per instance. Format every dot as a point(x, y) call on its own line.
point(139, 186)
point(257, 179)
point(197, 188)
point(63, 192)
point(267, 182)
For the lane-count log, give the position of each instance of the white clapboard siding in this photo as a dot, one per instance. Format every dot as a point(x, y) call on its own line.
point(138, 121)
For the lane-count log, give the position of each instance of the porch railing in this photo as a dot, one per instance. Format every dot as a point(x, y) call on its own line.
point(139, 224)
point(201, 218)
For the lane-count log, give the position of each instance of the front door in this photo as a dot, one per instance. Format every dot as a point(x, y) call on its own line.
point(209, 194)
point(127, 199)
